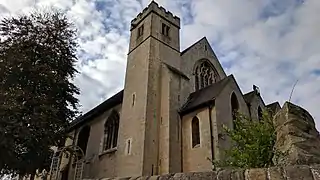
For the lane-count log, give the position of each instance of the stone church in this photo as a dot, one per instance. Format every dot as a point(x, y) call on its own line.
point(169, 116)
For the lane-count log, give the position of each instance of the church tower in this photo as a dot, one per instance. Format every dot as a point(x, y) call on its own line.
point(154, 43)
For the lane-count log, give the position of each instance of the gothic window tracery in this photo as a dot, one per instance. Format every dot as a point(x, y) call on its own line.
point(205, 75)
point(111, 128)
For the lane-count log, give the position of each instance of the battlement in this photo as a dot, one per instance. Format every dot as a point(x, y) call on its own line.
point(154, 7)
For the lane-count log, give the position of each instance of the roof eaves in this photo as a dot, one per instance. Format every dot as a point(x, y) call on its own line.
point(207, 103)
point(98, 110)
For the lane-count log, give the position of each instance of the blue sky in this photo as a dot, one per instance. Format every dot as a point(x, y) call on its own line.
point(269, 43)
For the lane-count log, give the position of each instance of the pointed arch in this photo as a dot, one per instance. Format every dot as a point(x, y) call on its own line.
point(205, 74)
point(259, 113)
point(111, 128)
point(234, 105)
point(83, 138)
point(195, 127)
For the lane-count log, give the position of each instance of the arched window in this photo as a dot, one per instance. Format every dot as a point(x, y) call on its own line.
point(195, 132)
point(205, 75)
point(234, 106)
point(111, 128)
point(83, 138)
point(259, 113)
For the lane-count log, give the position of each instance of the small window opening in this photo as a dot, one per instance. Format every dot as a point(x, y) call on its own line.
point(195, 132)
point(128, 146)
point(133, 99)
point(140, 31)
point(165, 29)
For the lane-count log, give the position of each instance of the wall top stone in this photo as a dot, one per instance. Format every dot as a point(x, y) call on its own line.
point(297, 140)
point(311, 172)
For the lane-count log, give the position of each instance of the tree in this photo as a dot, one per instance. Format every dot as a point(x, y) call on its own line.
point(252, 142)
point(37, 57)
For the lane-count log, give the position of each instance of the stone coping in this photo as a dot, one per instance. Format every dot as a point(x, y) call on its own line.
point(305, 172)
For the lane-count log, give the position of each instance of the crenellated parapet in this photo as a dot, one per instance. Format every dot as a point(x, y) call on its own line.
point(161, 11)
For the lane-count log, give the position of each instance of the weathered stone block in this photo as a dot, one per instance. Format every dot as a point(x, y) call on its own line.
point(166, 177)
point(256, 174)
point(315, 170)
point(237, 174)
point(154, 178)
point(275, 173)
point(224, 174)
point(143, 178)
point(298, 172)
point(297, 140)
point(203, 175)
point(134, 178)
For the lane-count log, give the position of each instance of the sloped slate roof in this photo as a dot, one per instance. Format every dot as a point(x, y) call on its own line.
point(273, 106)
point(248, 97)
point(98, 110)
point(200, 98)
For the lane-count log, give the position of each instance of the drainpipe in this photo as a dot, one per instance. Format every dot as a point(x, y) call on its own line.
point(211, 137)
point(181, 145)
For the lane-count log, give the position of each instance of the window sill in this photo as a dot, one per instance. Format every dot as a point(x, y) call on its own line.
point(108, 151)
point(196, 146)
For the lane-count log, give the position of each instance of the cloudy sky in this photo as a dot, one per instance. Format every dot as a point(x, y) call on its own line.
point(269, 43)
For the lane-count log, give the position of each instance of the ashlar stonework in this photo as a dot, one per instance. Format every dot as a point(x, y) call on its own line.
point(298, 141)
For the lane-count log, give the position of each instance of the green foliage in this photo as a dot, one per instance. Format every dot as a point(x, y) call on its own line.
point(252, 142)
point(37, 57)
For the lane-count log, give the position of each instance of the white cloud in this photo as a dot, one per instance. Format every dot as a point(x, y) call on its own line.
point(269, 43)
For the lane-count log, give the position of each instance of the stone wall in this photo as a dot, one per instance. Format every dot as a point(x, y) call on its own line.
point(274, 173)
point(298, 141)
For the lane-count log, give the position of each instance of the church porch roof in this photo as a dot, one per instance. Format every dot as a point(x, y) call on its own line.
point(204, 96)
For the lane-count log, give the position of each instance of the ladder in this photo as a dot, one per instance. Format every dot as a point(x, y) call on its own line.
point(79, 169)
point(54, 168)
